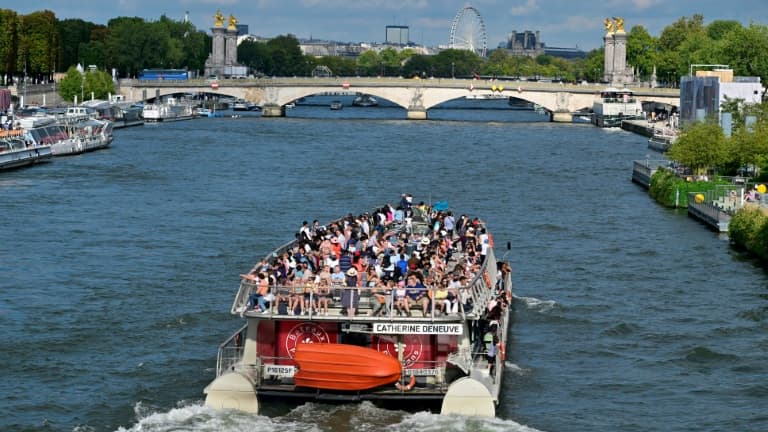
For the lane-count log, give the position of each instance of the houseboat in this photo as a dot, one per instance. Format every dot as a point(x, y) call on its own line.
point(171, 110)
point(614, 106)
point(397, 311)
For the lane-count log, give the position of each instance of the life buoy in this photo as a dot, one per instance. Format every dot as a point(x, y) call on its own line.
point(487, 279)
point(408, 386)
point(502, 352)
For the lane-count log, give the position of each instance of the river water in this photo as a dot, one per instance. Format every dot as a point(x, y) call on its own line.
point(118, 269)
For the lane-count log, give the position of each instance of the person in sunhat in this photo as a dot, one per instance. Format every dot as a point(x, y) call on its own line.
point(351, 296)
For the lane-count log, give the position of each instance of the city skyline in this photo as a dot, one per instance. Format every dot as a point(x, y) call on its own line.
point(562, 23)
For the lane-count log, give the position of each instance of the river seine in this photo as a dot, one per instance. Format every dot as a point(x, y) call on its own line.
point(118, 269)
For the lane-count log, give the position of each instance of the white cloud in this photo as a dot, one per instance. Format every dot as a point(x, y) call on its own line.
point(366, 4)
point(529, 7)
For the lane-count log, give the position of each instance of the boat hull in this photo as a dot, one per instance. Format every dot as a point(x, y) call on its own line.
point(344, 367)
point(21, 158)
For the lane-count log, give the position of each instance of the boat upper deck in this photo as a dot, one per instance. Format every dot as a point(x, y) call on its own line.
point(410, 264)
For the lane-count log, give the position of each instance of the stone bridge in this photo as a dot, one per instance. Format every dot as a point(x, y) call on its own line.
point(416, 96)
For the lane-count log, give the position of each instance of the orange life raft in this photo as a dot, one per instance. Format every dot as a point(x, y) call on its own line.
point(343, 367)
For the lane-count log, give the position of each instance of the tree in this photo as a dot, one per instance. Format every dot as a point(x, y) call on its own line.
point(746, 51)
point(98, 83)
point(9, 41)
point(287, 56)
point(255, 55)
point(641, 50)
point(718, 29)
point(81, 85)
point(390, 62)
point(701, 146)
point(369, 63)
point(674, 34)
point(458, 63)
point(38, 45)
point(73, 33)
point(71, 85)
point(418, 65)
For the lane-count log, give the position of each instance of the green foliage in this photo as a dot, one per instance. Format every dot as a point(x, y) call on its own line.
point(664, 185)
point(72, 33)
point(701, 146)
point(458, 63)
point(641, 50)
point(418, 65)
point(82, 85)
point(98, 83)
point(70, 85)
point(666, 188)
point(9, 41)
point(748, 229)
point(37, 43)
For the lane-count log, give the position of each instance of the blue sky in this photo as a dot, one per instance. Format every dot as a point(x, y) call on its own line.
point(563, 23)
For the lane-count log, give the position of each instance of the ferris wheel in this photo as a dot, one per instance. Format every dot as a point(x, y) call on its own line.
point(468, 31)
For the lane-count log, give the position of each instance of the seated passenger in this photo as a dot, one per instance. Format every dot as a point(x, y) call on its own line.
point(383, 298)
point(417, 294)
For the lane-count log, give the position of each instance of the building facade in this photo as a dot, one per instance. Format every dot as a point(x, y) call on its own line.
point(397, 35)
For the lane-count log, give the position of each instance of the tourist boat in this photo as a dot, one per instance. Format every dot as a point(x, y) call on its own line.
point(365, 100)
point(49, 131)
point(16, 151)
point(171, 110)
point(662, 139)
point(425, 359)
point(336, 105)
point(244, 105)
point(614, 106)
point(90, 134)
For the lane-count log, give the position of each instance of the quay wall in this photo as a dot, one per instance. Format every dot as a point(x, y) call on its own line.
point(638, 126)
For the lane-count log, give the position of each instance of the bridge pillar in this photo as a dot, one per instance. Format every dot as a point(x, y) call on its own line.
point(561, 117)
point(273, 111)
point(417, 114)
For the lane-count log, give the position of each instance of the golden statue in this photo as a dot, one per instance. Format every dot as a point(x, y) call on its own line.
point(618, 24)
point(218, 19)
point(232, 22)
point(609, 26)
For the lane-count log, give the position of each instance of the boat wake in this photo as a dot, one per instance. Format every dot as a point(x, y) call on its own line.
point(352, 417)
point(536, 304)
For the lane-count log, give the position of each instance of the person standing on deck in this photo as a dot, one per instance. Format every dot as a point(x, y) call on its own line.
point(449, 224)
point(351, 297)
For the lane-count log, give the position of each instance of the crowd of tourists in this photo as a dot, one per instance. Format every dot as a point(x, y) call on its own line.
point(403, 269)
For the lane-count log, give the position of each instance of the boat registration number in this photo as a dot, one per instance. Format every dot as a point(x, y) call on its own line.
point(279, 370)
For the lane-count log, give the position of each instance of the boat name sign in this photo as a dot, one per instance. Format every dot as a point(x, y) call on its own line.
point(419, 328)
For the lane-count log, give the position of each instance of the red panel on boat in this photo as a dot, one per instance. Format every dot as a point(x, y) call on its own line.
point(266, 338)
point(290, 333)
point(343, 367)
point(419, 349)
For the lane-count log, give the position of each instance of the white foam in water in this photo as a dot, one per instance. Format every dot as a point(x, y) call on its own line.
point(515, 369)
point(428, 422)
point(534, 303)
point(199, 418)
